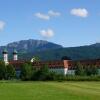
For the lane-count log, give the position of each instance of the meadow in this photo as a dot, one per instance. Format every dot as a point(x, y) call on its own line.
point(49, 90)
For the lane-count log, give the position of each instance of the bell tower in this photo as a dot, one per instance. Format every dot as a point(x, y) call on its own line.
point(15, 55)
point(5, 55)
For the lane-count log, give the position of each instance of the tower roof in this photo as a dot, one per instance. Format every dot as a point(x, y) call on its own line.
point(5, 51)
point(15, 51)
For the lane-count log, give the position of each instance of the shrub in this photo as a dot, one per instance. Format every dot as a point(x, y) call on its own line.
point(2, 70)
point(79, 69)
point(10, 72)
point(53, 76)
point(26, 72)
point(91, 70)
point(41, 74)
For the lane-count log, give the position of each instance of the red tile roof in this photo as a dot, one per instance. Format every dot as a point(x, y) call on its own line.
point(57, 64)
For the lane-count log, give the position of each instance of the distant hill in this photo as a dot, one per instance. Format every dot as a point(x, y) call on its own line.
point(30, 46)
point(95, 45)
point(74, 53)
point(50, 51)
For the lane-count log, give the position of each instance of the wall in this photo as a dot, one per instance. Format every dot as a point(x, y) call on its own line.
point(71, 72)
point(59, 70)
point(99, 71)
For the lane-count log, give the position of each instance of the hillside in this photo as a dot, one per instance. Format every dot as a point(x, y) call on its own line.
point(29, 46)
point(75, 53)
point(50, 51)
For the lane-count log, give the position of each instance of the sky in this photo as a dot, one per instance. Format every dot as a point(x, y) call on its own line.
point(66, 22)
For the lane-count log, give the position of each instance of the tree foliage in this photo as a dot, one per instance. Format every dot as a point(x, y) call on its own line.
point(42, 73)
point(26, 72)
point(91, 70)
point(2, 70)
point(10, 72)
point(86, 70)
point(79, 69)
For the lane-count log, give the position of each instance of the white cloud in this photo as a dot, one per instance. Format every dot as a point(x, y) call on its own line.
point(47, 16)
point(53, 13)
point(2, 25)
point(47, 33)
point(42, 16)
point(81, 12)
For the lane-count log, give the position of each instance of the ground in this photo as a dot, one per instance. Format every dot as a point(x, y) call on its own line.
point(49, 90)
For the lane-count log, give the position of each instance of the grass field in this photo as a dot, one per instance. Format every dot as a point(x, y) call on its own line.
point(49, 90)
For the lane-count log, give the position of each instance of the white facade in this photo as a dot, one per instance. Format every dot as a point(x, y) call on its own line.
point(71, 72)
point(65, 71)
point(59, 70)
point(5, 56)
point(15, 57)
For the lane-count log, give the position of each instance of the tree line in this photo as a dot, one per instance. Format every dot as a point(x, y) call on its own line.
point(88, 70)
point(30, 73)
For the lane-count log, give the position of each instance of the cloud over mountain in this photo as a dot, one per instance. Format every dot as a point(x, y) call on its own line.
point(47, 33)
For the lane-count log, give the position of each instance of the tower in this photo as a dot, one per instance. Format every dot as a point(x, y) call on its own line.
point(15, 55)
point(5, 55)
point(66, 64)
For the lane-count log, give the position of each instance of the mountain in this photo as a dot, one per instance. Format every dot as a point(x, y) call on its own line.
point(95, 45)
point(30, 46)
point(50, 51)
point(74, 53)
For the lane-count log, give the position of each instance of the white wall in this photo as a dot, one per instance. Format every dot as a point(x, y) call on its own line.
point(71, 72)
point(59, 70)
point(15, 57)
point(99, 71)
point(5, 58)
point(63, 71)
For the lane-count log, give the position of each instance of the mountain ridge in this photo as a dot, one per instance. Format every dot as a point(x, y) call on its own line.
point(51, 51)
point(30, 45)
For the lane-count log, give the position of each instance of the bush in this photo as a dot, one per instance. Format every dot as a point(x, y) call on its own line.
point(91, 70)
point(26, 72)
point(41, 74)
point(10, 72)
point(2, 70)
point(53, 76)
point(79, 69)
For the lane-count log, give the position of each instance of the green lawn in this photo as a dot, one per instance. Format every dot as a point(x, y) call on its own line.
point(49, 90)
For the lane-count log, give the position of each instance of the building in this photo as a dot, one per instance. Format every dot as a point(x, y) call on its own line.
point(64, 66)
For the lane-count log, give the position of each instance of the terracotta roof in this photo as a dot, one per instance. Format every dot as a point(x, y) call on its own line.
point(57, 64)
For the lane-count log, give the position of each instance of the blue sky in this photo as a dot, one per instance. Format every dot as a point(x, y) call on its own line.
point(66, 22)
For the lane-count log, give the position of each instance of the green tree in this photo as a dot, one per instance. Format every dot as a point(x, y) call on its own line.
point(79, 69)
point(26, 72)
point(94, 70)
point(2, 70)
point(91, 70)
point(10, 72)
point(42, 73)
